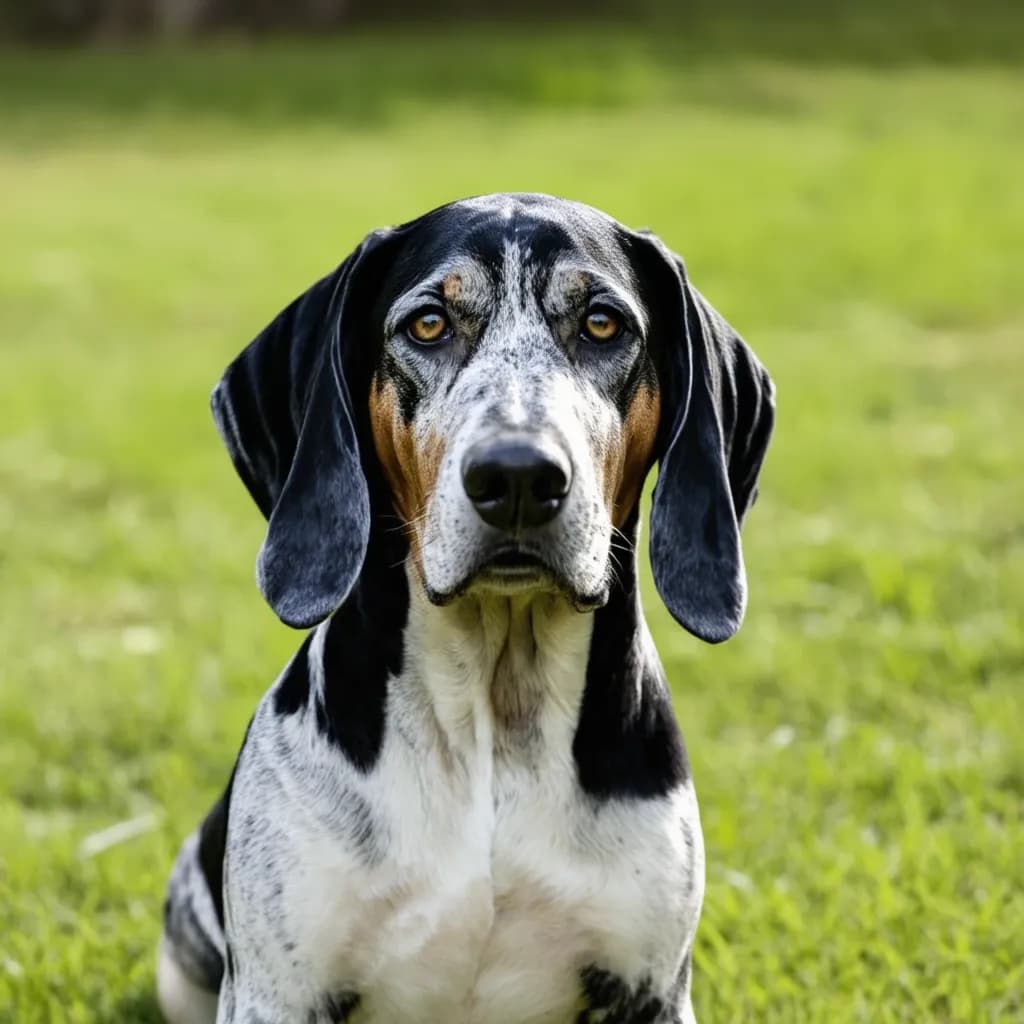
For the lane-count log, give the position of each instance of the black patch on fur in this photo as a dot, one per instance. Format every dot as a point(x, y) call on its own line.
point(641, 374)
point(364, 643)
point(194, 951)
point(627, 742)
point(292, 692)
point(213, 834)
point(407, 389)
point(483, 234)
point(340, 1007)
point(611, 1001)
point(362, 647)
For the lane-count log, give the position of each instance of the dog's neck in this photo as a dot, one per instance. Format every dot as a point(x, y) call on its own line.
point(503, 671)
point(499, 666)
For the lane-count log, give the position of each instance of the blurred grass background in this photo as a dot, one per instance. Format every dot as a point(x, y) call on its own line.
point(845, 184)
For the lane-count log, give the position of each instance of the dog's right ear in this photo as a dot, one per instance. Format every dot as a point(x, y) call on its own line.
point(285, 413)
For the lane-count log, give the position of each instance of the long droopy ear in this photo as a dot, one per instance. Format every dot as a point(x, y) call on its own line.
point(285, 413)
point(720, 411)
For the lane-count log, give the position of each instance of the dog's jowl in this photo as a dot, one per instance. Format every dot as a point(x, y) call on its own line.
point(466, 799)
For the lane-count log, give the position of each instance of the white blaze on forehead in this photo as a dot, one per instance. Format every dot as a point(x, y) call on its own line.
point(516, 290)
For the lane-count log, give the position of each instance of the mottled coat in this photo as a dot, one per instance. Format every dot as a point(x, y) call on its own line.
point(466, 799)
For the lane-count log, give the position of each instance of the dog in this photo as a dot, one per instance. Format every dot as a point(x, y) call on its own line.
point(466, 799)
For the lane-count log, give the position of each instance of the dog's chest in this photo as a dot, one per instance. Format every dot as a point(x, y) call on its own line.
point(488, 904)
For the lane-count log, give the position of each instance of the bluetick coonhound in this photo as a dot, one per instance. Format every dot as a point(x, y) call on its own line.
point(466, 799)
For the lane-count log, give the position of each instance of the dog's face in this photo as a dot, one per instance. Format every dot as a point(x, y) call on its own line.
point(511, 366)
point(514, 406)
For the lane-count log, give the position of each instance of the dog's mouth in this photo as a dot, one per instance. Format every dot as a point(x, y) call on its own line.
point(514, 569)
point(509, 569)
point(514, 562)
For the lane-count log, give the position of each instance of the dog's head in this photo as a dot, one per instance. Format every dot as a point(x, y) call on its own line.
point(509, 368)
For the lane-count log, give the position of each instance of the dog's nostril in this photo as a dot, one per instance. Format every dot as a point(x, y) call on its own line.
point(484, 482)
point(516, 483)
point(551, 482)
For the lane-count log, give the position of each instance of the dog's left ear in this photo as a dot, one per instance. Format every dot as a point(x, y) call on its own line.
point(285, 413)
point(718, 420)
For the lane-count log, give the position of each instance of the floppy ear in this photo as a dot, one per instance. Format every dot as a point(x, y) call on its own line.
point(284, 411)
point(721, 410)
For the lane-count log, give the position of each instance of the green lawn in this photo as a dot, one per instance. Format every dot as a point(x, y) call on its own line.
point(858, 748)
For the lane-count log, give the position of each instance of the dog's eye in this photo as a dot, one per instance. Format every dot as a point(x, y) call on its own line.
point(428, 327)
point(601, 325)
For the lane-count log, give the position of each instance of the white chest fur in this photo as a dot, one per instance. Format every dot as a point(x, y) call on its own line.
point(467, 878)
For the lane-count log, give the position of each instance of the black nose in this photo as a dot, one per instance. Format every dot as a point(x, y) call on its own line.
point(516, 483)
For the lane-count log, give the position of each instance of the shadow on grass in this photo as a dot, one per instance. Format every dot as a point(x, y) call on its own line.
point(139, 1007)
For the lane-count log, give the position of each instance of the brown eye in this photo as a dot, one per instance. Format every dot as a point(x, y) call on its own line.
point(428, 328)
point(600, 325)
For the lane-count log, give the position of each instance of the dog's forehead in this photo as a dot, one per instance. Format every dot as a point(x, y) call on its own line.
point(539, 232)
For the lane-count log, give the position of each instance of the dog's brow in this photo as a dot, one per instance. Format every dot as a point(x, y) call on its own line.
point(462, 286)
point(596, 287)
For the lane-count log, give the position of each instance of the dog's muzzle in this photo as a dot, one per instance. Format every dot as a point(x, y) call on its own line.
point(516, 482)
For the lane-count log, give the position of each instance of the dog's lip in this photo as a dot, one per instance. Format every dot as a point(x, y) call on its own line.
point(515, 560)
point(519, 567)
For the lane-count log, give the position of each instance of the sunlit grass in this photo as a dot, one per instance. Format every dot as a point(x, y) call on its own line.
point(857, 748)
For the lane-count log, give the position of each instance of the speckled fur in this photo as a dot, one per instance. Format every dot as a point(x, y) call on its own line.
point(466, 799)
point(509, 376)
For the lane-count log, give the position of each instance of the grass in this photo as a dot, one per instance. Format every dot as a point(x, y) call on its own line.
point(857, 748)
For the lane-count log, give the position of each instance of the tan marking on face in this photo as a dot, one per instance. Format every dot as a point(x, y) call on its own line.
point(629, 458)
point(410, 467)
point(462, 296)
point(578, 279)
point(453, 287)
